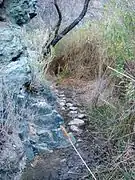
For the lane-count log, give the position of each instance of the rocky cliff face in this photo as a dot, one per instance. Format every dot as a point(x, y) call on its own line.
point(18, 12)
point(29, 124)
point(14, 73)
point(70, 10)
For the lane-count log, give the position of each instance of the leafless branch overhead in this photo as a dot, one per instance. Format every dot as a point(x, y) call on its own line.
point(59, 36)
point(60, 18)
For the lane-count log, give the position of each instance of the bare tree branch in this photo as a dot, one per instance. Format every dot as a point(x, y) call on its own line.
point(72, 25)
point(59, 36)
point(59, 20)
point(55, 30)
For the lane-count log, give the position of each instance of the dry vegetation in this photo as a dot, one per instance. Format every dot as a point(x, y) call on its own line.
point(97, 44)
point(78, 53)
point(86, 53)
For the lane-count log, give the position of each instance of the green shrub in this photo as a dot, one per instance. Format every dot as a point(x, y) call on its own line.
point(118, 27)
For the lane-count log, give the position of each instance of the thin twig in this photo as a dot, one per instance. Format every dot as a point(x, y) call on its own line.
point(121, 74)
point(69, 138)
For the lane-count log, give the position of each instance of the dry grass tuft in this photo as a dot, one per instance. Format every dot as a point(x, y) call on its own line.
point(79, 55)
point(86, 52)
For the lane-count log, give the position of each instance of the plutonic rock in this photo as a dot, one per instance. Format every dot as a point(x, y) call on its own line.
point(62, 104)
point(12, 43)
point(12, 158)
point(42, 108)
point(81, 116)
point(77, 122)
point(73, 112)
point(14, 73)
point(72, 108)
point(63, 100)
point(63, 108)
point(1, 1)
point(61, 95)
point(95, 11)
point(56, 91)
point(27, 107)
point(69, 104)
point(20, 12)
point(42, 148)
point(61, 92)
point(75, 129)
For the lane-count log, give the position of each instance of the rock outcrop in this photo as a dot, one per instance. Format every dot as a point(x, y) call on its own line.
point(70, 10)
point(29, 123)
point(19, 12)
point(12, 158)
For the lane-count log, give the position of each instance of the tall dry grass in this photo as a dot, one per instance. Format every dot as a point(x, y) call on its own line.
point(86, 53)
point(79, 54)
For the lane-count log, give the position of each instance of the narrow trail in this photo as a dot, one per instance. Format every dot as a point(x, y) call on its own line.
point(64, 164)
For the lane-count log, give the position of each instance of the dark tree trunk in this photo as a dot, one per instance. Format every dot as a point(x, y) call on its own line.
point(59, 36)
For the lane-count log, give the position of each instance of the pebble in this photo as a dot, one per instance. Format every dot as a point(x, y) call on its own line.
point(82, 111)
point(81, 116)
point(73, 112)
point(41, 132)
point(61, 95)
point(73, 108)
point(14, 146)
point(69, 104)
point(72, 116)
point(62, 100)
point(62, 104)
point(56, 91)
point(75, 128)
point(63, 109)
point(63, 160)
point(79, 140)
point(61, 92)
point(77, 122)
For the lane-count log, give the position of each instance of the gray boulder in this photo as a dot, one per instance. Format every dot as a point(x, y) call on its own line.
point(20, 11)
point(11, 47)
point(28, 109)
point(14, 73)
point(1, 1)
point(12, 158)
point(14, 69)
